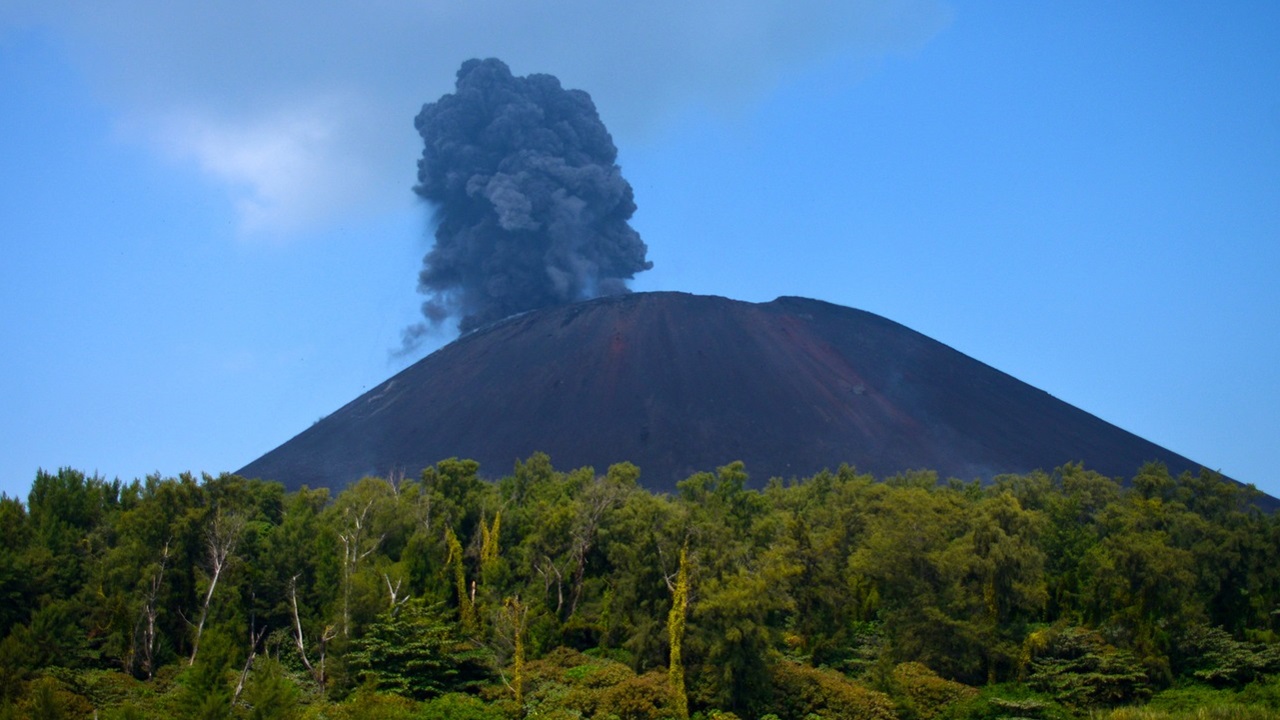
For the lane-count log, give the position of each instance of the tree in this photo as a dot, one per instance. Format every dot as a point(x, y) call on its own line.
point(221, 538)
point(641, 543)
point(466, 603)
point(909, 580)
point(732, 637)
point(15, 572)
point(1003, 585)
point(1078, 667)
point(205, 691)
point(675, 631)
point(1140, 584)
point(150, 612)
point(414, 651)
point(359, 516)
point(514, 613)
point(271, 695)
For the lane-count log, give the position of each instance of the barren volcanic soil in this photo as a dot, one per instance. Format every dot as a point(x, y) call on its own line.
point(679, 383)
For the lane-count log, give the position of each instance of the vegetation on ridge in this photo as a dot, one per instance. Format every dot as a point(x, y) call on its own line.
point(563, 595)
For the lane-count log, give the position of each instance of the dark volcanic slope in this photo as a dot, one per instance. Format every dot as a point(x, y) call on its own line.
point(678, 383)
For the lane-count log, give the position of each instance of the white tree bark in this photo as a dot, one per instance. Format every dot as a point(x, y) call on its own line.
point(221, 539)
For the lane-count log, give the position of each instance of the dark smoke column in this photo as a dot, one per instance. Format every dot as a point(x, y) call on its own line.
point(531, 208)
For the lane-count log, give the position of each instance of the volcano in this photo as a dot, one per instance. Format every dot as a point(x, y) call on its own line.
point(678, 383)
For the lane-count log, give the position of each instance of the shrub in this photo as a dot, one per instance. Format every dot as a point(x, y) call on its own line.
point(570, 684)
point(925, 691)
point(1005, 702)
point(271, 694)
point(49, 699)
point(1213, 656)
point(127, 711)
point(1078, 668)
point(457, 706)
point(365, 704)
point(643, 697)
point(1264, 693)
point(800, 690)
point(102, 688)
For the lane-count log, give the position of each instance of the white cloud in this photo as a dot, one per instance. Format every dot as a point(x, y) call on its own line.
point(285, 170)
point(304, 110)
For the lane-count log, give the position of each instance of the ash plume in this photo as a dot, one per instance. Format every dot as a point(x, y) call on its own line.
point(530, 206)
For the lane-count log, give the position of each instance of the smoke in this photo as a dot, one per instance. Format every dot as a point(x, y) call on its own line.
point(530, 207)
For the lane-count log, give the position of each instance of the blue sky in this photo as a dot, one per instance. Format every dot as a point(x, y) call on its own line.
point(210, 239)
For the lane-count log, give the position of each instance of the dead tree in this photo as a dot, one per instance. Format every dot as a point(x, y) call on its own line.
point(546, 569)
point(597, 499)
point(150, 611)
point(353, 538)
point(299, 640)
point(393, 591)
point(221, 539)
point(254, 640)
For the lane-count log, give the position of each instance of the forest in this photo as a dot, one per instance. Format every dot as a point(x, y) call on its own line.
point(552, 594)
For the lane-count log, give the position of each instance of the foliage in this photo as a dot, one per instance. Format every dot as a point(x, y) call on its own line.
point(569, 683)
point(271, 694)
point(1213, 656)
point(643, 697)
point(579, 594)
point(206, 692)
point(1005, 700)
point(49, 699)
point(1077, 667)
point(675, 631)
point(366, 704)
point(1215, 712)
point(457, 706)
point(800, 691)
point(927, 693)
point(412, 650)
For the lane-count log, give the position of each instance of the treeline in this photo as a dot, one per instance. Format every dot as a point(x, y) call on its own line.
point(562, 595)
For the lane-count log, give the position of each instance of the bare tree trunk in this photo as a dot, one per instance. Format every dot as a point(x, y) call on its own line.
point(423, 509)
point(248, 663)
point(329, 633)
point(394, 592)
point(220, 542)
point(597, 500)
point(546, 581)
point(150, 612)
point(297, 626)
point(579, 572)
point(352, 554)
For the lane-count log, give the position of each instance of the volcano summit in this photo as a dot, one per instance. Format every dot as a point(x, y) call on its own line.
point(680, 383)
